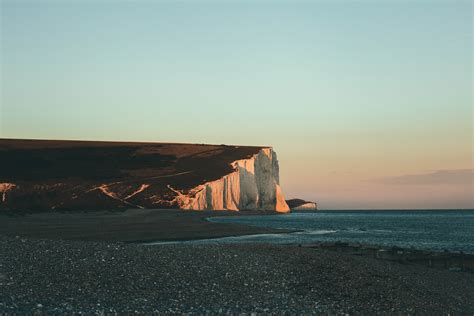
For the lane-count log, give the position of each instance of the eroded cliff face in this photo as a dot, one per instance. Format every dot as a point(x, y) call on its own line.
point(80, 175)
point(253, 185)
point(306, 207)
point(4, 188)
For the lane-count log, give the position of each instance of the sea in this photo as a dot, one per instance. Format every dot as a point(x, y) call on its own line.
point(436, 230)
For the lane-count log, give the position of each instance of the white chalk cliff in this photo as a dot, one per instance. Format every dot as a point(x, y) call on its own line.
point(309, 206)
point(73, 175)
point(4, 188)
point(253, 185)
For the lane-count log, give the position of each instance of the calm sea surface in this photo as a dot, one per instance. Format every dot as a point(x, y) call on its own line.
point(434, 230)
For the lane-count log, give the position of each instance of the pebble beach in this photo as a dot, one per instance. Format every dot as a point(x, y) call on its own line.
point(42, 277)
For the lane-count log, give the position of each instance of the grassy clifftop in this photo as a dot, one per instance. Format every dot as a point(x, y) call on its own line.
point(66, 175)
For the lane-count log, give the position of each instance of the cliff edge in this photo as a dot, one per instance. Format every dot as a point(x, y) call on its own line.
point(301, 205)
point(39, 175)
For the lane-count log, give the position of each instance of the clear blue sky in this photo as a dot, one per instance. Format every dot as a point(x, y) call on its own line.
point(348, 92)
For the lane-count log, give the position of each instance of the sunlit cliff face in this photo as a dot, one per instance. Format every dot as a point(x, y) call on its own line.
point(4, 188)
point(254, 185)
point(75, 175)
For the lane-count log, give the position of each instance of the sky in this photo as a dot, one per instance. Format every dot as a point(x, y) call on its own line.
point(368, 104)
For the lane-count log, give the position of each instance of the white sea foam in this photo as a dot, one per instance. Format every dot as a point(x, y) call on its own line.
point(316, 232)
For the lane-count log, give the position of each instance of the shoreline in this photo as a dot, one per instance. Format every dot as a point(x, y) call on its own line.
point(455, 261)
point(175, 227)
point(161, 226)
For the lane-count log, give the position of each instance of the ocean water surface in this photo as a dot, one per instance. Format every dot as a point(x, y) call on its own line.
point(431, 230)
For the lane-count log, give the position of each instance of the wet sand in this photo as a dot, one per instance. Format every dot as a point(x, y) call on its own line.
point(127, 226)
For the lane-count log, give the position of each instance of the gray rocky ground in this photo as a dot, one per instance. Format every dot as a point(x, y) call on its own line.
point(57, 277)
